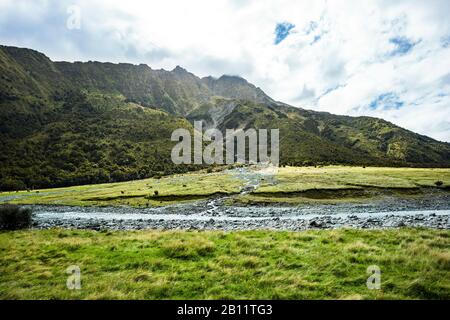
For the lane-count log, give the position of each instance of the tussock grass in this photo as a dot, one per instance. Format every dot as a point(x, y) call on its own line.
point(187, 248)
point(316, 264)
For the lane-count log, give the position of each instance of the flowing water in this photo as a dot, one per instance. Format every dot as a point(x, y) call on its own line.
point(213, 214)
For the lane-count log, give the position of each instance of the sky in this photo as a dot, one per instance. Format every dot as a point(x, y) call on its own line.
point(387, 59)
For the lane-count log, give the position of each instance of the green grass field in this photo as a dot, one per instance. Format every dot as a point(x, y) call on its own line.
point(138, 193)
point(331, 184)
point(328, 264)
point(291, 185)
point(291, 179)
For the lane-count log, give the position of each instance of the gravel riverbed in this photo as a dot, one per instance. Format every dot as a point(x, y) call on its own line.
point(214, 215)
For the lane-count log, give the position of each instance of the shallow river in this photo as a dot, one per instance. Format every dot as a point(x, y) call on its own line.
point(432, 211)
point(212, 215)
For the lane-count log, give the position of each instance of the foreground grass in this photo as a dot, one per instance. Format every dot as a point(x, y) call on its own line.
point(331, 264)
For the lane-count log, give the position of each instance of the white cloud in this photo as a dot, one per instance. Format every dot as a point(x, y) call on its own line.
point(338, 58)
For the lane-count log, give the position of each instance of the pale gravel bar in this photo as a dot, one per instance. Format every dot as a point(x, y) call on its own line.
point(213, 215)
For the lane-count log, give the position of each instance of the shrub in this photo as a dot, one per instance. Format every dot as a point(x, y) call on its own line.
point(13, 217)
point(156, 193)
point(438, 183)
point(10, 184)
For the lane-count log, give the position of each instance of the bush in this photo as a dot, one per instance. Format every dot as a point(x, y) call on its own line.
point(13, 217)
point(9, 184)
point(438, 183)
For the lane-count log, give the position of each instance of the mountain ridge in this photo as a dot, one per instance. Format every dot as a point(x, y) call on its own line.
point(43, 102)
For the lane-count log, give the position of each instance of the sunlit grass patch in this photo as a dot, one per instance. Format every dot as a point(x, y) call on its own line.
point(290, 185)
point(139, 193)
point(291, 179)
point(322, 264)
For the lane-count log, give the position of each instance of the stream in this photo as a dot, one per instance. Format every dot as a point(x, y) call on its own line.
point(213, 214)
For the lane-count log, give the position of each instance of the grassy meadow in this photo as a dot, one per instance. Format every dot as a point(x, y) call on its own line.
point(290, 185)
point(316, 264)
point(331, 184)
point(326, 264)
point(138, 193)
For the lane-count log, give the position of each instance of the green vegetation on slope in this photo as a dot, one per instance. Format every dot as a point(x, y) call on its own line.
point(90, 138)
point(332, 264)
point(75, 123)
point(314, 138)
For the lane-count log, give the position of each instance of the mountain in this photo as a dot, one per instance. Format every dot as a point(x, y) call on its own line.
point(309, 137)
point(67, 123)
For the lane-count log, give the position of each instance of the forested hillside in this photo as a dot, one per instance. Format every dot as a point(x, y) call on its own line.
point(67, 123)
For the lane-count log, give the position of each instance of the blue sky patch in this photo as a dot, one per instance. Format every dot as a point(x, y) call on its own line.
point(316, 38)
point(402, 46)
point(445, 42)
point(386, 101)
point(282, 30)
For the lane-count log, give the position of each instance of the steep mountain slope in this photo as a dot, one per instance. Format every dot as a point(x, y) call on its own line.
point(177, 91)
point(67, 123)
point(236, 88)
point(308, 137)
point(54, 132)
point(90, 138)
point(25, 71)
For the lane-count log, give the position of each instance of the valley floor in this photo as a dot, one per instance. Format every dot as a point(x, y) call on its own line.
point(252, 186)
point(325, 264)
point(251, 198)
point(247, 247)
